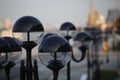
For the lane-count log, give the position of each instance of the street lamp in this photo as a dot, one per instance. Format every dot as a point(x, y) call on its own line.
point(96, 36)
point(83, 40)
point(68, 26)
point(26, 31)
point(12, 54)
point(55, 53)
point(117, 31)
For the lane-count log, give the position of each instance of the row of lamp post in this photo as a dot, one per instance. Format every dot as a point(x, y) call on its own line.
point(96, 36)
point(81, 37)
point(55, 50)
point(68, 26)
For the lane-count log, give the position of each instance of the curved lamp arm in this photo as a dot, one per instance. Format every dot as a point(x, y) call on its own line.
point(83, 49)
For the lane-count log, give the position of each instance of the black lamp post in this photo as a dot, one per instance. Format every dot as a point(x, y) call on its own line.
point(68, 26)
point(25, 31)
point(84, 39)
point(12, 53)
point(117, 31)
point(55, 53)
point(96, 36)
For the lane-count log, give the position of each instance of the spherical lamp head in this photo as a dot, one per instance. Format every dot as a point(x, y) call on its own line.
point(27, 29)
point(55, 52)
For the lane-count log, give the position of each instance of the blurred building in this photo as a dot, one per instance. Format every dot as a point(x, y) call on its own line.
point(93, 15)
point(96, 19)
point(6, 28)
point(113, 15)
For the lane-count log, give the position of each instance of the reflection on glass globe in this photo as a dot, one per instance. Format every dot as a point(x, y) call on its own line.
point(55, 60)
point(4, 59)
point(77, 43)
point(82, 39)
point(77, 52)
point(67, 26)
point(27, 28)
point(43, 37)
point(15, 56)
point(23, 37)
point(87, 44)
point(63, 33)
point(67, 29)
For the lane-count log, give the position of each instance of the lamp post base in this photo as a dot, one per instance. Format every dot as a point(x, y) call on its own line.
point(23, 71)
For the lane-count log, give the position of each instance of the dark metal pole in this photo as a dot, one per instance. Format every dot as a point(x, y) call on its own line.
point(29, 59)
point(69, 63)
point(55, 71)
point(115, 49)
point(88, 65)
point(29, 65)
point(97, 65)
point(55, 75)
point(92, 60)
point(22, 70)
point(118, 59)
point(107, 57)
point(36, 77)
point(28, 36)
point(7, 72)
point(68, 70)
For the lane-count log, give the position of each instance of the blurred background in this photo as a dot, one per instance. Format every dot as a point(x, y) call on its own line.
point(53, 13)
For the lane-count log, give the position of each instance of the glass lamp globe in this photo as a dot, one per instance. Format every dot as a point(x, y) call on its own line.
point(4, 56)
point(15, 51)
point(67, 27)
point(82, 40)
point(28, 29)
point(46, 36)
point(55, 52)
point(94, 32)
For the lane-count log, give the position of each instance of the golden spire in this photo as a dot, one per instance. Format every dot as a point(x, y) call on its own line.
point(93, 15)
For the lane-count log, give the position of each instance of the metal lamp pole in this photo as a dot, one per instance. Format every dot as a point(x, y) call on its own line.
point(96, 73)
point(57, 56)
point(95, 33)
point(86, 40)
point(68, 26)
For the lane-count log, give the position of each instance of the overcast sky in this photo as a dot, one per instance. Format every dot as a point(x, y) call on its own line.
point(54, 12)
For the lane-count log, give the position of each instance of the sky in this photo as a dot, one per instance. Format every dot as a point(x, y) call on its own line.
point(53, 13)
